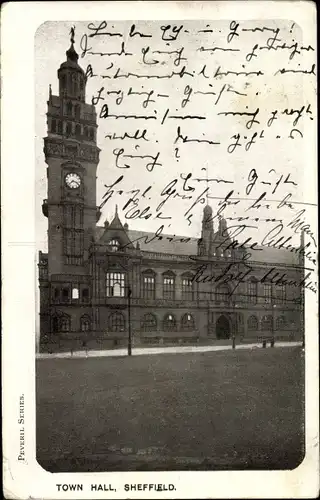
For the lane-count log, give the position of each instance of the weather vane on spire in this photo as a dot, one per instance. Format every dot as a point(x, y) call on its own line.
point(72, 33)
point(207, 181)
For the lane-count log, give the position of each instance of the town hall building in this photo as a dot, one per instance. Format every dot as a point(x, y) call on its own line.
point(99, 284)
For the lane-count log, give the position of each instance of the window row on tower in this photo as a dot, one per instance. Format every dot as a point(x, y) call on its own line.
point(66, 294)
point(71, 129)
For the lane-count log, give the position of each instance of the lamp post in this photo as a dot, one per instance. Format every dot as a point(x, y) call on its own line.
point(236, 328)
point(272, 339)
point(126, 268)
point(129, 323)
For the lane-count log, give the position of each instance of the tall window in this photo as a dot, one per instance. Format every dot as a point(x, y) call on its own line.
point(169, 323)
point(85, 295)
point(222, 294)
point(114, 245)
point(85, 323)
point(186, 287)
point(53, 126)
point(149, 322)
point(60, 127)
point(267, 292)
point(78, 130)
point(116, 322)
point(75, 293)
point(148, 285)
point(187, 322)
point(69, 129)
point(266, 323)
point(65, 323)
point(280, 294)
point(252, 291)
point(253, 324)
point(77, 110)
point(168, 286)
point(281, 323)
point(65, 294)
point(115, 284)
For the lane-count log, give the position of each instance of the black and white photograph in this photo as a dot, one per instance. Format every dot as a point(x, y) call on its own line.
point(175, 252)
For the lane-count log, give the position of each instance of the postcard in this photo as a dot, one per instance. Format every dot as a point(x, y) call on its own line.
point(160, 277)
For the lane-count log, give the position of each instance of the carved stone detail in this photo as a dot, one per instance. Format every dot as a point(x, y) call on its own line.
point(58, 148)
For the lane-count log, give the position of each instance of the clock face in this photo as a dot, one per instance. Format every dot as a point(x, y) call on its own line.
point(73, 181)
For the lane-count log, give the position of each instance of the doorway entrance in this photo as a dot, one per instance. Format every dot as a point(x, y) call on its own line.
point(223, 327)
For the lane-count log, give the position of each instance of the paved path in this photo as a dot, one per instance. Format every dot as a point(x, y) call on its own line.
point(140, 351)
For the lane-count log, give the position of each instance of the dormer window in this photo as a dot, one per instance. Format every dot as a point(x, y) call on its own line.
point(114, 245)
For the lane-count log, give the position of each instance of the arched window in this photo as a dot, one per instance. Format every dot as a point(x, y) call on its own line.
point(187, 322)
point(85, 131)
point(186, 287)
point(149, 322)
point(252, 291)
point(56, 294)
point(60, 127)
point(85, 323)
point(75, 293)
point(253, 324)
point(169, 323)
point(70, 83)
point(281, 323)
point(85, 295)
point(65, 323)
point(78, 130)
point(53, 126)
point(266, 323)
point(222, 294)
point(114, 245)
point(267, 292)
point(148, 284)
point(91, 134)
point(115, 284)
point(116, 322)
point(168, 285)
point(63, 82)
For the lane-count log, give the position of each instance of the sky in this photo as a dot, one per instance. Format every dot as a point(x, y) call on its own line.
point(272, 156)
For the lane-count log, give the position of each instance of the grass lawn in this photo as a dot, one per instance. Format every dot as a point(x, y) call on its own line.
point(212, 410)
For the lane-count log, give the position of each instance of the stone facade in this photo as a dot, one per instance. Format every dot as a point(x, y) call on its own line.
point(177, 290)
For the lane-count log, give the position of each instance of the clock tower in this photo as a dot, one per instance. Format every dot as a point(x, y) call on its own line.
point(72, 157)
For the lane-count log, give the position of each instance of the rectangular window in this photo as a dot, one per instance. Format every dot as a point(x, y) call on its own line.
point(280, 294)
point(267, 293)
point(187, 290)
point(85, 295)
point(168, 288)
point(115, 285)
point(252, 292)
point(148, 284)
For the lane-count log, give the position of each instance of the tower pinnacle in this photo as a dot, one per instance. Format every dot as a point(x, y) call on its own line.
point(72, 33)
